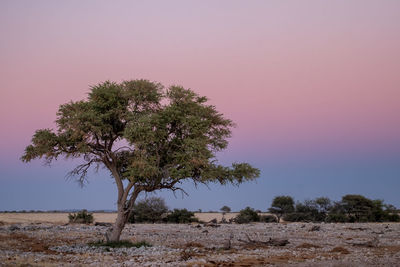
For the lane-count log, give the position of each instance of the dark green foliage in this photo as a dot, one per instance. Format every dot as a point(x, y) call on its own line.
point(309, 211)
point(282, 205)
point(120, 244)
point(181, 216)
point(337, 218)
point(150, 210)
point(268, 219)
point(247, 215)
point(297, 217)
point(358, 208)
point(81, 217)
point(352, 208)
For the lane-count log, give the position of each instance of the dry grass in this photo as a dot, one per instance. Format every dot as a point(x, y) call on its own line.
point(62, 218)
point(55, 218)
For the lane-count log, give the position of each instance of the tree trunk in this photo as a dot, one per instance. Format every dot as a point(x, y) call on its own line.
point(122, 218)
point(123, 214)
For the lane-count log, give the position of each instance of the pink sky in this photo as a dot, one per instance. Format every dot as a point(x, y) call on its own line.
point(315, 77)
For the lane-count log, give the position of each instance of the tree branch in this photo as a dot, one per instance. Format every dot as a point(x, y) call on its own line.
point(81, 171)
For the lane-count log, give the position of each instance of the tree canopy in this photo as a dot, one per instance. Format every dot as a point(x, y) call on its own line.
point(282, 205)
point(151, 137)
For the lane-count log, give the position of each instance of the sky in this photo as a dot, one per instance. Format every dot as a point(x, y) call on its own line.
point(313, 87)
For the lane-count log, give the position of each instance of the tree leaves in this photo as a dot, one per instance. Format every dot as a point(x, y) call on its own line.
point(171, 136)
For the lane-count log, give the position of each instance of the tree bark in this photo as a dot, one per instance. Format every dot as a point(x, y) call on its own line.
point(122, 218)
point(124, 211)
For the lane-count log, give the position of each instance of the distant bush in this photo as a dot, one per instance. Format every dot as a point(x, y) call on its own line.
point(268, 219)
point(150, 210)
point(81, 217)
point(352, 208)
point(298, 217)
point(181, 216)
point(247, 215)
point(336, 218)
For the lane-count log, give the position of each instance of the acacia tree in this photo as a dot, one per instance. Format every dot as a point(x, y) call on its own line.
point(281, 205)
point(147, 137)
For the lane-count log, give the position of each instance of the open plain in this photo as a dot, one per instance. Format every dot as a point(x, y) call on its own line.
point(38, 243)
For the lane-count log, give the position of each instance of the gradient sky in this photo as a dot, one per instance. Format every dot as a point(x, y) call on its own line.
point(313, 86)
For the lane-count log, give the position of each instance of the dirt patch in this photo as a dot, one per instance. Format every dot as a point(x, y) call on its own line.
point(27, 243)
point(340, 250)
point(24, 243)
point(307, 245)
point(382, 250)
point(194, 245)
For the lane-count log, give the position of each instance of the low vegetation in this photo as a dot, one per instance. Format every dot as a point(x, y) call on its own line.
point(149, 210)
point(81, 217)
point(181, 216)
point(351, 208)
point(154, 210)
point(247, 215)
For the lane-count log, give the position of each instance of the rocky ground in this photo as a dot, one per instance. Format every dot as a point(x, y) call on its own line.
point(200, 245)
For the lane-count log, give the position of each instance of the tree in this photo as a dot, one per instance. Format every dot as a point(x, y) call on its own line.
point(358, 208)
point(282, 205)
point(149, 209)
point(142, 134)
point(224, 209)
point(310, 210)
point(324, 204)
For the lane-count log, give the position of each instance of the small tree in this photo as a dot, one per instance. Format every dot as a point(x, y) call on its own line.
point(151, 138)
point(282, 205)
point(150, 210)
point(225, 209)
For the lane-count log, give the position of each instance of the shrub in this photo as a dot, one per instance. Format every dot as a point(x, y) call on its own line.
point(81, 217)
point(247, 215)
point(150, 210)
point(337, 218)
point(268, 219)
point(298, 217)
point(392, 217)
point(181, 216)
